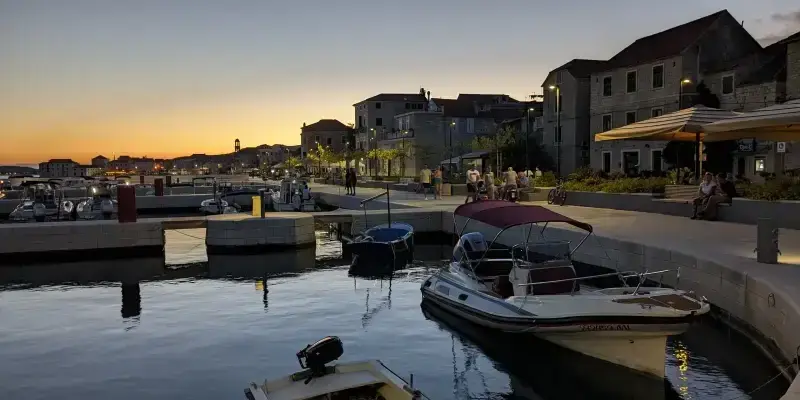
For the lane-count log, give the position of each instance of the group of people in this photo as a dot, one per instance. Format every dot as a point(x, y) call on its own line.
point(484, 185)
point(431, 180)
point(713, 191)
point(350, 181)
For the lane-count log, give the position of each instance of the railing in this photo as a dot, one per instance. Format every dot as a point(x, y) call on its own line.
point(388, 206)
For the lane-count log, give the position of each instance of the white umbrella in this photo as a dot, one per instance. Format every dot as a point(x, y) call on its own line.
point(780, 122)
point(684, 125)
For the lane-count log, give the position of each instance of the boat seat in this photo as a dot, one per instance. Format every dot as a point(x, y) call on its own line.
point(547, 274)
point(503, 287)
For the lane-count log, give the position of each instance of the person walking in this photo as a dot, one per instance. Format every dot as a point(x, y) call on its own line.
point(488, 178)
point(353, 181)
point(510, 182)
point(472, 184)
point(437, 183)
point(425, 180)
point(347, 181)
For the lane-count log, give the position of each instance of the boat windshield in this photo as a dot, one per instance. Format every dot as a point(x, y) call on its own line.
point(542, 252)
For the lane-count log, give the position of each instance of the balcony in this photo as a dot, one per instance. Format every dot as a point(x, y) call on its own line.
point(395, 134)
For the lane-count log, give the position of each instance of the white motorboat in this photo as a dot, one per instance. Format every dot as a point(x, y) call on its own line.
point(99, 205)
point(294, 195)
point(532, 288)
point(216, 206)
point(42, 201)
point(318, 381)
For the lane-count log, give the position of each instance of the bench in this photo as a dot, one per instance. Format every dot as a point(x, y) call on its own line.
point(682, 194)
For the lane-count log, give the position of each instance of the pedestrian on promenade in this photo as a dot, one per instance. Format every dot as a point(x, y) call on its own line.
point(347, 181)
point(425, 180)
point(488, 178)
point(437, 183)
point(472, 184)
point(353, 181)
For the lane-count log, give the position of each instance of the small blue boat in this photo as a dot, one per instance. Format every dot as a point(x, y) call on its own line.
point(382, 249)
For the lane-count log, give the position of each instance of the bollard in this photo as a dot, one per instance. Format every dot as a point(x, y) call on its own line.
point(126, 203)
point(263, 204)
point(159, 184)
point(141, 179)
point(767, 241)
point(169, 180)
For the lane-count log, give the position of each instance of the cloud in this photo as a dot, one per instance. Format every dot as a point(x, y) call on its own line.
point(786, 23)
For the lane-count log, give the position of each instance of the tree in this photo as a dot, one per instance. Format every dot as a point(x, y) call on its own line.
point(292, 162)
point(495, 143)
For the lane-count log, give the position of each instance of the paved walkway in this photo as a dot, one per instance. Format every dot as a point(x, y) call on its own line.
point(728, 242)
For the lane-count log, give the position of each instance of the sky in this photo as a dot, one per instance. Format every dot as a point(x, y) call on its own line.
point(165, 78)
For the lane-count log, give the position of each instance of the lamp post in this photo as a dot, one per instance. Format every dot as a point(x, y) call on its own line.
point(697, 149)
point(527, 135)
point(450, 167)
point(370, 137)
point(557, 89)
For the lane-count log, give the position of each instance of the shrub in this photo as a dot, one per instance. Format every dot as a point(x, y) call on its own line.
point(548, 179)
point(623, 185)
point(772, 190)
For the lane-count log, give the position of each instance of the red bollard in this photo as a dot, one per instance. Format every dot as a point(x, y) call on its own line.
point(126, 203)
point(141, 179)
point(169, 180)
point(159, 184)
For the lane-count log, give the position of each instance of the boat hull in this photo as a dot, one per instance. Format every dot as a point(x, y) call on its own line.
point(379, 258)
point(637, 342)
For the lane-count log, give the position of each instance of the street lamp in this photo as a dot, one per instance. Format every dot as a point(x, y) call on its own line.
point(527, 135)
point(557, 89)
point(370, 136)
point(450, 167)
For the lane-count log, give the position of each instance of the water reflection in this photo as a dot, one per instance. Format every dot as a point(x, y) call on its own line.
point(384, 302)
point(547, 370)
point(131, 304)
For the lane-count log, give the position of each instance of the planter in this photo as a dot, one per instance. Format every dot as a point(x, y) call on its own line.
point(446, 189)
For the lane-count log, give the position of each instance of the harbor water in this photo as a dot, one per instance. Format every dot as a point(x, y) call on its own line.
point(204, 328)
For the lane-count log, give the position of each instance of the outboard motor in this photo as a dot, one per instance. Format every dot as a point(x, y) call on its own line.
point(315, 356)
point(39, 212)
point(107, 208)
point(471, 246)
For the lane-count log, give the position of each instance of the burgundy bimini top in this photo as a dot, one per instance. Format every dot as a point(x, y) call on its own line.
point(505, 214)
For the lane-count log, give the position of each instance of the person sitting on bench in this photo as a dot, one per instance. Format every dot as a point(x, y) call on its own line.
point(707, 189)
point(724, 192)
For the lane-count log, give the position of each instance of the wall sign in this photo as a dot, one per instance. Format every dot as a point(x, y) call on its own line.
point(781, 147)
point(747, 145)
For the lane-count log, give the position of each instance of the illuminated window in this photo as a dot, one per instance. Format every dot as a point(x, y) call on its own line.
point(760, 164)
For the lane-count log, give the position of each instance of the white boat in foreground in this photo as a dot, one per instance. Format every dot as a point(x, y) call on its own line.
point(533, 288)
point(317, 381)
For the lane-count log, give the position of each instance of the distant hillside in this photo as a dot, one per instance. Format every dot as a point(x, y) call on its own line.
point(14, 169)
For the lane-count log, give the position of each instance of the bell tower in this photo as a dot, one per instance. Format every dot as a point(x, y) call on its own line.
point(237, 146)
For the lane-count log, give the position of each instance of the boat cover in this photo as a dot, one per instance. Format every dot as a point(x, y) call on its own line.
point(505, 214)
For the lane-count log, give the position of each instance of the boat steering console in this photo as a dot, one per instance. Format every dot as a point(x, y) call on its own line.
point(315, 356)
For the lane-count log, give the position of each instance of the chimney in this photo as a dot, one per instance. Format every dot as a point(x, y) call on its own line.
point(304, 124)
point(429, 95)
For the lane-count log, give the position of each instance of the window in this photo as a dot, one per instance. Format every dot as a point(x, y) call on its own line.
point(760, 163)
point(630, 117)
point(607, 86)
point(360, 121)
point(330, 141)
point(656, 112)
point(408, 106)
point(378, 121)
point(630, 162)
point(658, 76)
point(727, 84)
point(316, 139)
point(656, 160)
point(470, 125)
point(606, 161)
point(631, 82)
point(557, 135)
point(608, 122)
point(344, 139)
point(378, 105)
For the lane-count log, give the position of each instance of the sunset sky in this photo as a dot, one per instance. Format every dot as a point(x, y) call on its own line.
point(164, 78)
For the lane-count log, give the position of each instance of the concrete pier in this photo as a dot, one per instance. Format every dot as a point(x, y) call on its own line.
point(242, 233)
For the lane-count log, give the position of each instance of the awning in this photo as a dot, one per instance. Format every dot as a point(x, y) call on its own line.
point(469, 156)
point(780, 122)
point(504, 214)
point(682, 125)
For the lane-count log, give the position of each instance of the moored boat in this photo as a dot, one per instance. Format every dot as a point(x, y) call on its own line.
point(532, 288)
point(381, 249)
point(319, 381)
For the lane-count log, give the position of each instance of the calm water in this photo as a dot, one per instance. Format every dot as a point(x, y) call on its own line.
point(138, 330)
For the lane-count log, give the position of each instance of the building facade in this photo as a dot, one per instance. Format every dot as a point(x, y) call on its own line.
point(375, 116)
point(565, 123)
point(100, 162)
point(659, 74)
point(60, 168)
point(330, 133)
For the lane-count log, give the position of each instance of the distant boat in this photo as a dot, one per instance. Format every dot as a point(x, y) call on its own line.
point(293, 196)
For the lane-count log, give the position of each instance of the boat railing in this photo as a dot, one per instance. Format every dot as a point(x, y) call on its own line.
point(363, 204)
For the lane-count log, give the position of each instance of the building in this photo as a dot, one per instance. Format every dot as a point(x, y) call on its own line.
point(445, 128)
point(658, 74)
point(60, 168)
point(329, 133)
point(90, 170)
point(100, 162)
point(143, 164)
point(376, 114)
point(565, 126)
point(274, 154)
point(122, 163)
